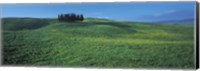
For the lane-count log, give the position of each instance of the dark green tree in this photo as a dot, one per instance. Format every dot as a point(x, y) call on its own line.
point(70, 17)
point(81, 17)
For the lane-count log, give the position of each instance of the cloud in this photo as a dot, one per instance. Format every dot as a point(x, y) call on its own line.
point(98, 15)
point(169, 15)
point(164, 13)
point(106, 17)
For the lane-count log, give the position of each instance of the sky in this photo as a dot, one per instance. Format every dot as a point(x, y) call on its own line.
point(130, 11)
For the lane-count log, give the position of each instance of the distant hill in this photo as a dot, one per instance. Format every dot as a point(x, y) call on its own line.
point(189, 22)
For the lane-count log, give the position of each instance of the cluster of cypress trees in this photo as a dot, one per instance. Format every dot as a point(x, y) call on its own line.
point(70, 17)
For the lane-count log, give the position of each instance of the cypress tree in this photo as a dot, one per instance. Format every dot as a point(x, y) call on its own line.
point(61, 18)
point(70, 17)
point(81, 17)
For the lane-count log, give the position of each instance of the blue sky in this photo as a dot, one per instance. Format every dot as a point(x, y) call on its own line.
point(132, 11)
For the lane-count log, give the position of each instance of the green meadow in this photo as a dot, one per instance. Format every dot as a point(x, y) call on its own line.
point(96, 43)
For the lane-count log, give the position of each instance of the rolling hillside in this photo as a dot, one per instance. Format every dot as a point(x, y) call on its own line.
point(97, 43)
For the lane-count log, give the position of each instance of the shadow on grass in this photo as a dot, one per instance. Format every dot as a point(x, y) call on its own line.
point(115, 24)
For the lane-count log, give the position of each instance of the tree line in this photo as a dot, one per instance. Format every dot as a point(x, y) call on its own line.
point(70, 17)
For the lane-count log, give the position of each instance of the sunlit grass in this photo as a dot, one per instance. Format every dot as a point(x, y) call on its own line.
point(96, 44)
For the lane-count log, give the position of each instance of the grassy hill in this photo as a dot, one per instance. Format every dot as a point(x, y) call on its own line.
point(97, 43)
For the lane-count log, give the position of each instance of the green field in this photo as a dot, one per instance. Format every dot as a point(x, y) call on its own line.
point(97, 43)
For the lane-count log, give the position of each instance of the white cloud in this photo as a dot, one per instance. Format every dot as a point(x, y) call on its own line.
point(164, 13)
point(106, 17)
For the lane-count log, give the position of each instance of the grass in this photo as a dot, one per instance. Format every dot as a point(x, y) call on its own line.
point(93, 43)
